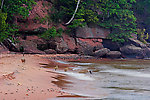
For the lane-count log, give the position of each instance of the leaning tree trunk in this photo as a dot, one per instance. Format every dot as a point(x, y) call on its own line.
point(1, 4)
point(74, 13)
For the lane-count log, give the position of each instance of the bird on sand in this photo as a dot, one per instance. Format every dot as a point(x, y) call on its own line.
point(56, 68)
point(23, 59)
point(66, 69)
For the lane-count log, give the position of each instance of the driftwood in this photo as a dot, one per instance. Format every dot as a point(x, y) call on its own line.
point(10, 45)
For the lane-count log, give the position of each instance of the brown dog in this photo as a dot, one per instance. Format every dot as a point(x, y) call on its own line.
point(23, 59)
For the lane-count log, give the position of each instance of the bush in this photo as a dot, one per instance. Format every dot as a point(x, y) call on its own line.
point(51, 32)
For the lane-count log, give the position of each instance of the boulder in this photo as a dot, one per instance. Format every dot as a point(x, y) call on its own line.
point(88, 46)
point(92, 32)
point(50, 51)
point(70, 41)
point(61, 45)
point(146, 52)
point(113, 54)
point(113, 46)
point(137, 43)
point(131, 51)
point(102, 52)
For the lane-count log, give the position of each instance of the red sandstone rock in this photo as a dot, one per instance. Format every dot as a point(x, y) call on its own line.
point(88, 46)
point(70, 42)
point(92, 32)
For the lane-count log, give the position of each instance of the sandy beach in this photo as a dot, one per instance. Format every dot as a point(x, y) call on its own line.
point(26, 81)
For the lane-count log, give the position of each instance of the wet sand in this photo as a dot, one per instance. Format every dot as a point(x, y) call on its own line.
point(29, 80)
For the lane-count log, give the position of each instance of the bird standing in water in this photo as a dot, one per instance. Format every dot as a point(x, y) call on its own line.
point(56, 68)
point(66, 69)
point(90, 71)
point(23, 59)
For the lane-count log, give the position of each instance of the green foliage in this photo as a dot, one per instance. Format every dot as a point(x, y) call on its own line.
point(60, 31)
point(56, 15)
point(142, 36)
point(18, 7)
point(116, 15)
point(6, 31)
point(3, 26)
point(142, 12)
point(51, 32)
point(43, 20)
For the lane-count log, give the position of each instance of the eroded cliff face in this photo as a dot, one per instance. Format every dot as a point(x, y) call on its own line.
point(89, 40)
point(37, 17)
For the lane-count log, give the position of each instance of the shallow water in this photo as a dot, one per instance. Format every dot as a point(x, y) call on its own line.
point(110, 80)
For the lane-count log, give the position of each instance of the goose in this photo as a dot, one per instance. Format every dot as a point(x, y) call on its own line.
point(56, 68)
point(66, 69)
point(23, 59)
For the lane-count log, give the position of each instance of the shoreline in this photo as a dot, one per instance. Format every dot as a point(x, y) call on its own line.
point(37, 79)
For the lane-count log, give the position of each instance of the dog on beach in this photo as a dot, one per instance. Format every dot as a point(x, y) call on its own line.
point(23, 59)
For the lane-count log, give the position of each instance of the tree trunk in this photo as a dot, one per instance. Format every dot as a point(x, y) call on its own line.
point(2, 4)
point(74, 13)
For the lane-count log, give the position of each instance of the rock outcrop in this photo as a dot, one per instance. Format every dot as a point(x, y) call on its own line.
point(132, 51)
point(136, 43)
point(101, 52)
point(92, 32)
point(113, 46)
point(88, 46)
point(90, 40)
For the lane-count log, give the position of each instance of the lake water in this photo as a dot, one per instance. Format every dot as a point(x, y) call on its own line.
point(110, 80)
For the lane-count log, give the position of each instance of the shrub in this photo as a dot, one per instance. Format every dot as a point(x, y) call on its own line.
point(51, 32)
